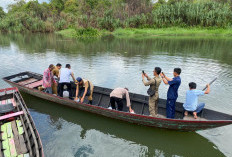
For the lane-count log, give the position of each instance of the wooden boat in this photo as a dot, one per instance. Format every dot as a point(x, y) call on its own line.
point(19, 136)
point(29, 82)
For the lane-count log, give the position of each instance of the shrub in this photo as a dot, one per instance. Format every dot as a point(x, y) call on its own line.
point(87, 32)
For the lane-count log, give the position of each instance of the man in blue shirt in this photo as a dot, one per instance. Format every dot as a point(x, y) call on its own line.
point(191, 103)
point(172, 91)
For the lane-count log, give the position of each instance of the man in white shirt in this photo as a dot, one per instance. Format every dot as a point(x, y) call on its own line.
point(64, 77)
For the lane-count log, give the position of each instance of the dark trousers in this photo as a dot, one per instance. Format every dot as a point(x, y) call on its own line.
point(61, 89)
point(118, 101)
point(171, 108)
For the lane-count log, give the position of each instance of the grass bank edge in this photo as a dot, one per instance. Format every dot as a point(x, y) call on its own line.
point(151, 32)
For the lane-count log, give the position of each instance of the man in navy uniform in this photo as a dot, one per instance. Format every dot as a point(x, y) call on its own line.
point(172, 94)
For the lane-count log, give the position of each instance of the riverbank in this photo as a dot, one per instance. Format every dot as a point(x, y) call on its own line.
point(149, 32)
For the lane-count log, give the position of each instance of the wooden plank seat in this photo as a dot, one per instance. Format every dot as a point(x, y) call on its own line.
point(8, 101)
point(31, 80)
point(6, 106)
point(13, 142)
point(11, 115)
point(3, 102)
point(18, 137)
point(35, 84)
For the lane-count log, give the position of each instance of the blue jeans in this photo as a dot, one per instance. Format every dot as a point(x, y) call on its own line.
point(200, 107)
point(171, 108)
point(48, 90)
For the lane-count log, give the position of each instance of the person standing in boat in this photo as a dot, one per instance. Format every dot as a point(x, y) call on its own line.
point(84, 88)
point(64, 77)
point(117, 96)
point(153, 91)
point(172, 94)
point(48, 79)
point(191, 103)
point(56, 72)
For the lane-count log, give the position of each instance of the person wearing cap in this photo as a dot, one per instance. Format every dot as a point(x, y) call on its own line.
point(48, 79)
point(56, 72)
point(117, 96)
point(64, 76)
point(84, 88)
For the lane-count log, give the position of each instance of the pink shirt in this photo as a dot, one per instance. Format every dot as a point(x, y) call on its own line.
point(119, 93)
point(48, 78)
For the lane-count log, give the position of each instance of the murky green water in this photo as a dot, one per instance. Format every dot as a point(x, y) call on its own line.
point(112, 62)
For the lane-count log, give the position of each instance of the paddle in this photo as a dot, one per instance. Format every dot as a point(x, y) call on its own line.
point(210, 83)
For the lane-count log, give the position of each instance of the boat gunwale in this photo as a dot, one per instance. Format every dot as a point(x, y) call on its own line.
point(30, 121)
point(121, 112)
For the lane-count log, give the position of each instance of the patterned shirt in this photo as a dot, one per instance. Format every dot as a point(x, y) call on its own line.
point(48, 78)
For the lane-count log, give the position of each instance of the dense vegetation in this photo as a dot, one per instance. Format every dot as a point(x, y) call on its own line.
point(111, 14)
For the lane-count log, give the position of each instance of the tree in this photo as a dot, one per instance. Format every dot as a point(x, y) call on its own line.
point(71, 6)
point(2, 13)
point(57, 5)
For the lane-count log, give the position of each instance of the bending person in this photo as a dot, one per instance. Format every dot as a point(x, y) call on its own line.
point(117, 95)
point(84, 88)
point(191, 103)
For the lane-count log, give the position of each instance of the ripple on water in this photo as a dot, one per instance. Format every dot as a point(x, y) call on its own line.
point(106, 64)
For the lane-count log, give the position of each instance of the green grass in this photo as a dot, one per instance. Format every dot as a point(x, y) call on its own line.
point(71, 32)
point(149, 32)
point(172, 31)
point(67, 32)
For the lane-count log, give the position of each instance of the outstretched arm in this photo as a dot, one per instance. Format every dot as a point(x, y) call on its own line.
point(208, 89)
point(165, 78)
point(149, 82)
point(128, 102)
point(77, 92)
point(73, 77)
point(86, 89)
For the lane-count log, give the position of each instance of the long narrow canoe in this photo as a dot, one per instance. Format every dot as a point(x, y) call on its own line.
point(19, 136)
point(29, 82)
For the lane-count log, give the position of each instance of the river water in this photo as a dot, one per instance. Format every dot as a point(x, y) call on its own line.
point(112, 62)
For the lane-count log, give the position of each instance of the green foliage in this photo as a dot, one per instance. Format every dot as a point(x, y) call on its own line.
point(110, 15)
point(61, 24)
point(71, 6)
point(108, 22)
point(87, 32)
point(17, 7)
point(136, 21)
point(205, 14)
point(2, 13)
point(57, 5)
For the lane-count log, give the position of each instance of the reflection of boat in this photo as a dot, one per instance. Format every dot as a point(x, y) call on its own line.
point(18, 133)
point(28, 83)
point(169, 142)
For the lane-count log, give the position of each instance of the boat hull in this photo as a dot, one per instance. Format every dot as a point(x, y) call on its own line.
point(174, 124)
point(20, 131)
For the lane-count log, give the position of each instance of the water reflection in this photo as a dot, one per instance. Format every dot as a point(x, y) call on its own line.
point(112, 62)
point(218, 49)
point(82, 133)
